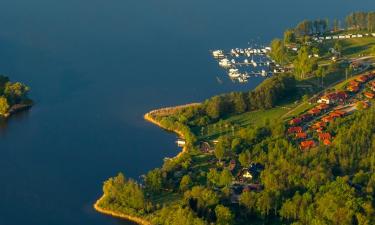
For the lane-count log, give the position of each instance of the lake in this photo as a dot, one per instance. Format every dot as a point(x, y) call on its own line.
point(95, 67)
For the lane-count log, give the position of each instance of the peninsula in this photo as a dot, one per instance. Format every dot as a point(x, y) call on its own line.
point(298, 149)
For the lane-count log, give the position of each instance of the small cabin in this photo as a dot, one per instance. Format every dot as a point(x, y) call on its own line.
point(292, 130)
point(369, 95)
point(307, 144)
point(302, 135)
point(247, 175)
point(325, 136)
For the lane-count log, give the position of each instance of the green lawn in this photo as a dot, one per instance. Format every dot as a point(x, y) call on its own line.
point(233, 123)
point(354, 47)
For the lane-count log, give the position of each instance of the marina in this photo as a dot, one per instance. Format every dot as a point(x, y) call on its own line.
point(242, 63)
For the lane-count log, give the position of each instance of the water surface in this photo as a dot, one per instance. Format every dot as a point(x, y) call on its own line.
point(95, 67)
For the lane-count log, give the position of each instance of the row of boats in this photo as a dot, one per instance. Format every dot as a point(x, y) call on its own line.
point(226, 63)
point(237, 52)
point(248, 57)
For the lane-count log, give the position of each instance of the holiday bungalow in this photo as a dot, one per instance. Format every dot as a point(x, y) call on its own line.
point(353, 86)
point(327, 119)
point(353, 89)
point(337, 113)
point(369, 95)
point(295, 121)
point(362, 79)
point(372, 86)
point(354, 83)
point(314, 112)
point(327, 142)
point(322, 106)
point(307, 144)
point(301, 135)
point(292, 130)
point(324, 136)
point(319, 125)
point(334, 97)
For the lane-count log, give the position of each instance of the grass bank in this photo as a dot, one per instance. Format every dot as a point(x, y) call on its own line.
point(135, 219)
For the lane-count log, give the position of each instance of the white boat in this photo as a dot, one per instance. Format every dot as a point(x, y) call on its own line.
point(218, 53)
point(242, 80)
point(234, 73)
point(225, 63)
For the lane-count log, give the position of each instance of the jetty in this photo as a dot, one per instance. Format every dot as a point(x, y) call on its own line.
point(242, 63)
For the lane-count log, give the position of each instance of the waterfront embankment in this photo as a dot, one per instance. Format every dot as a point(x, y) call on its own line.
point(135, 219)
point(151, 117)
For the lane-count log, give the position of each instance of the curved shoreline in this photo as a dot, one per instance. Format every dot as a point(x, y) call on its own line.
point(135, 219)
point(148, 118)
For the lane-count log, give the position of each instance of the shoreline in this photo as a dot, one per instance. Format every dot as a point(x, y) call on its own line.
point(148, 117)
point(107, 212)
point(16, 109)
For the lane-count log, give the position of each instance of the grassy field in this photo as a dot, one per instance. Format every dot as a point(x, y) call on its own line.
point(355, 47)
point(233, 123)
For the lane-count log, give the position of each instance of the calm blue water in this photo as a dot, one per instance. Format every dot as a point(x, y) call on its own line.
point(95, 67)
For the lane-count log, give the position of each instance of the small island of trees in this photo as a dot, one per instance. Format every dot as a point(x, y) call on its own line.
point(13, 96)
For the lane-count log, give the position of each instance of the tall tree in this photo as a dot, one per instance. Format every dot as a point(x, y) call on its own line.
point(224, 215)
point(4, 106)
point(303, 64)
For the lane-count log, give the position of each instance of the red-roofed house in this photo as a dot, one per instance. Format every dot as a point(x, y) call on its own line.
point(372, 85)
point(322, 106)
point(369, 95)
point(295, 130)
point(314, 112)
point(319, 125)
point(302, 135)
point(295, 121)
point(336, 114)
point(307, 144)
point(333, 97)
point(324, 136)
point(327, 142)
point(353, 83)
point(353, 88)
point(362, 79)
point(339, 112)
point(327, 119)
